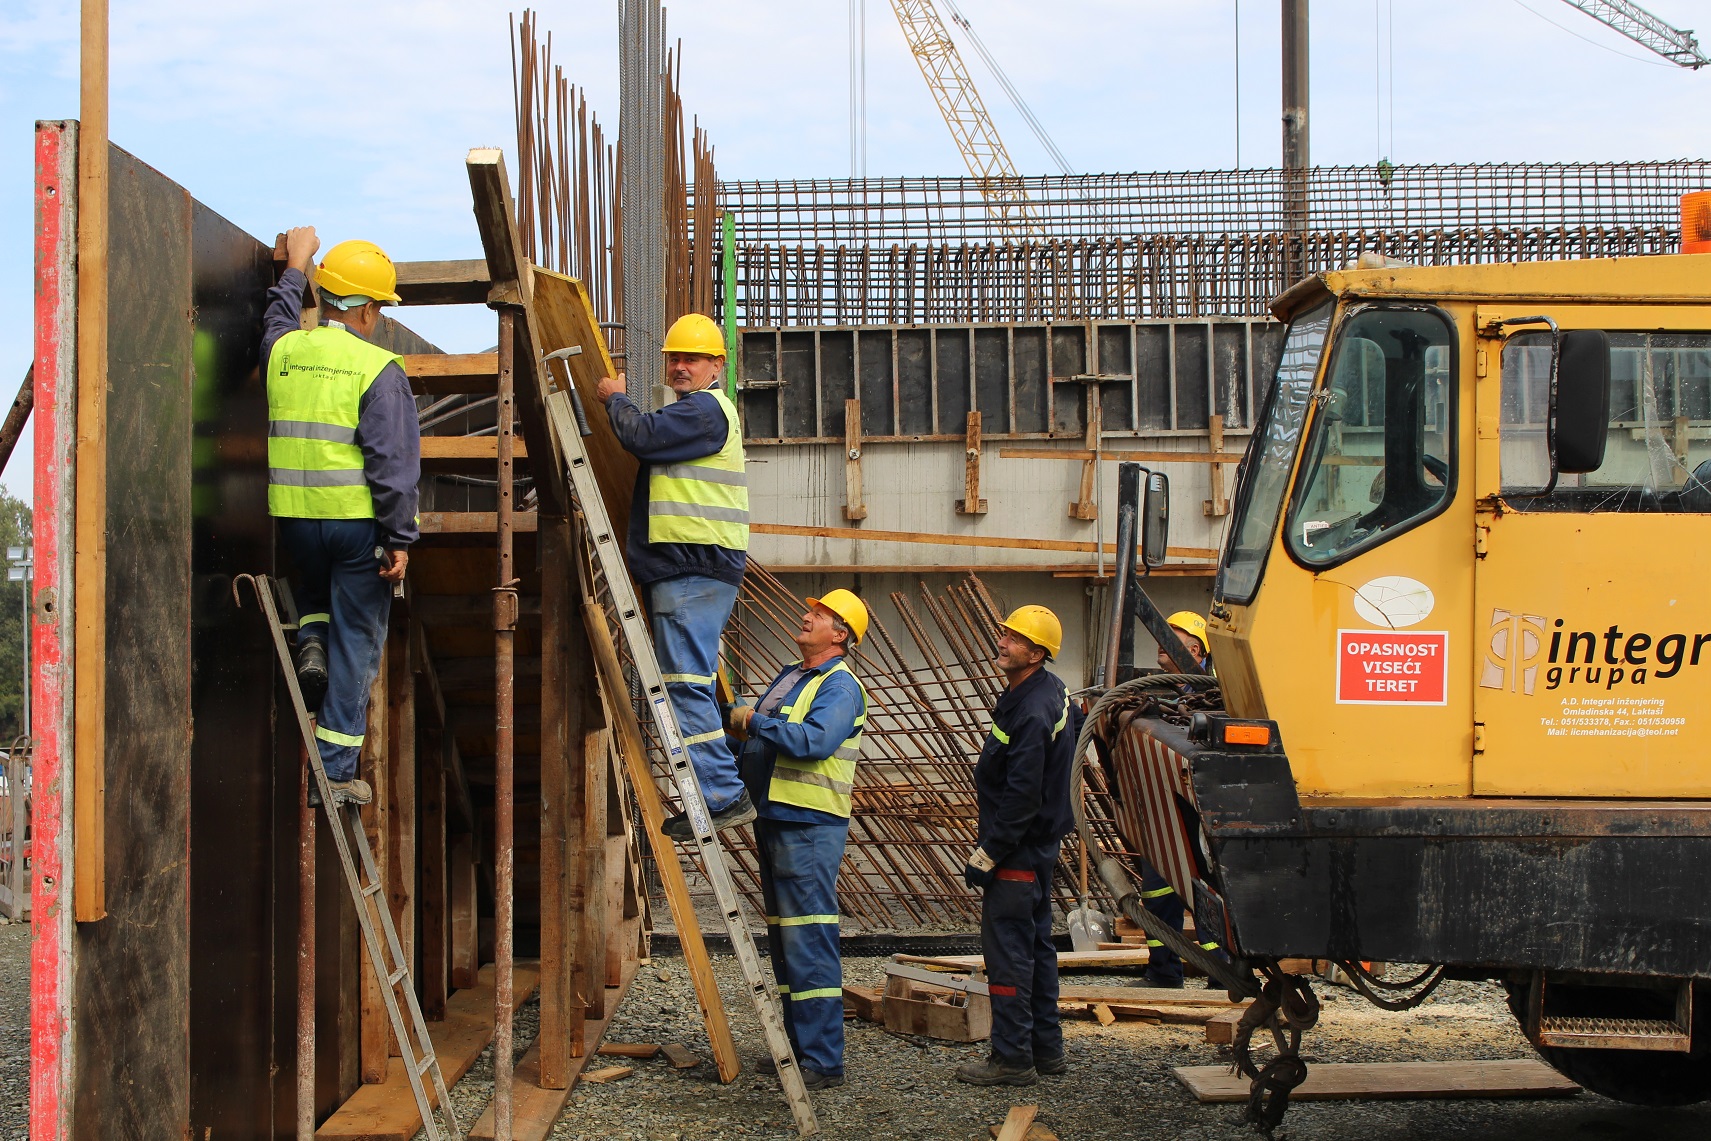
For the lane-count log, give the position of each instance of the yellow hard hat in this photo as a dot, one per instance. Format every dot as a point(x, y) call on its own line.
point(1191, 623)
point(358, 269)
point(845, 605)
point(1039, 625)
point(695, 333)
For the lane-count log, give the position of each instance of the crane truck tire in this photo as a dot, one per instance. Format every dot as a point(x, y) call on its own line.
point(1638, 1077)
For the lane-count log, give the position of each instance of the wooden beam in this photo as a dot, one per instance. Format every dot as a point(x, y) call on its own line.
point(949, 540)
point(590, 964)
point(465, 924)
point(854, 509)
point(1217, 506)
point(1057, 570)
point(1122, 455)
point(971, 503)
point(1017, 1121)
point(513, 284)
point(1341, 1081)
point(443, 282)
point(563, 671)
point(372, 766)
point(442, 374)
point(401, 766)
point(454, 448)
point(1085, 507)
point(471, 522)
point(19, 415)
point(89, 661)
point(666, 859)
point(436, 887)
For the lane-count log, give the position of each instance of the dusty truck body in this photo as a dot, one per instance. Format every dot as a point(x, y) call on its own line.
point(1461, 614)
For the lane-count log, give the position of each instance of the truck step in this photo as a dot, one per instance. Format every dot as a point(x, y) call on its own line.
point(1614, 1034)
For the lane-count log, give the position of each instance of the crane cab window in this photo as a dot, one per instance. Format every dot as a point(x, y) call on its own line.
point(1657, 456)
point(1380, 459)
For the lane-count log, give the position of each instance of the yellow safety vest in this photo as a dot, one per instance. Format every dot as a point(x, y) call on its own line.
point(823, 785)
point(703, 501)
point(315, 383)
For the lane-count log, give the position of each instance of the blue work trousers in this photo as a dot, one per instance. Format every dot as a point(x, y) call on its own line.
point(689, 613)
point(1021, 960)
point(1164, 966)
point(342, 600)
point(799, 882)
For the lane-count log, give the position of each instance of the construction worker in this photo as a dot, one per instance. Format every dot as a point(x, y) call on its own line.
point(1191, 631)
point(343, 457)
point(803, 737)
point(688, 544)
point(1022, 783)
point(1164, 966)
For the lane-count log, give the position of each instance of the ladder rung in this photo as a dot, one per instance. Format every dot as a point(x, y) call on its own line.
point(427, 1063)
point(394, 978)
point(374, 888)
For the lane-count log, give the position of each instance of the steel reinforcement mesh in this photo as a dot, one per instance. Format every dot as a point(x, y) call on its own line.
point(1150, 246)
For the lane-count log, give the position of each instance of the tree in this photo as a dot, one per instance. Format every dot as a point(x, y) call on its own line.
point(15, 531)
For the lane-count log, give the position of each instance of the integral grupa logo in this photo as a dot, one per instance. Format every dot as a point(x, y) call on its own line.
point(1512, 654)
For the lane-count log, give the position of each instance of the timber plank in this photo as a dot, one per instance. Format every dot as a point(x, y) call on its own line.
point(642, 1050)
point(1527, 1077)
point(386, 1111)
point(443, 282)
point(446, 374)
point(456, 449)
point(534, 1111)
point(1017, 1122)
point(1077, 960)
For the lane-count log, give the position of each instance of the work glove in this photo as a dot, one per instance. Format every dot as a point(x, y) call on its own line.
point(737, 721)
point(977, 870)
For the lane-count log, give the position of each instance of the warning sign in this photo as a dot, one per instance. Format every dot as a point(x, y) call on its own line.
point(1392, 667)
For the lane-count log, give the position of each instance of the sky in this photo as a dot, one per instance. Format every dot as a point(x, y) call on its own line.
point(356, 117)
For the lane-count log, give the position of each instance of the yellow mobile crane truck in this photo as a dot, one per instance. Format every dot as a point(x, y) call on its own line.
point(1462, 638)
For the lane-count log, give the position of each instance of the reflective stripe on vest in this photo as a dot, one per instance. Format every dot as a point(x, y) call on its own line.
point(316, 379)
point(703, 501)
point(823, 785)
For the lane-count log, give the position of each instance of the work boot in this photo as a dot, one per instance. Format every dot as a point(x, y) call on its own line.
point(995, 1071)
point(815, 1080)
point(312, 672)
point(1051, 1067)
point(353, 791)
point(1160, 981)
point(740, 811)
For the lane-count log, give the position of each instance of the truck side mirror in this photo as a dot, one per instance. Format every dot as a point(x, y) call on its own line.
point(1155, 519)
point(1582, 400)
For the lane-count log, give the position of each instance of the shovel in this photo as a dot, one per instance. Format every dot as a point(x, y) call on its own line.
point(1088, 926)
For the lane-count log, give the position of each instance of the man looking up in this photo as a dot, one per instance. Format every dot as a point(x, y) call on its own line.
point(343, 458)
point(1022, 783)
point(688, 544)
point(803, 739)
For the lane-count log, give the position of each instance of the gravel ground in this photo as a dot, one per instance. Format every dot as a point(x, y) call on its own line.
point(14, 1031)
point(1119, 1084)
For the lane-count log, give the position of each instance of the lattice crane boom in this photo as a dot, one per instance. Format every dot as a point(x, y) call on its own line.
point(1675, 44)
point(964, 113)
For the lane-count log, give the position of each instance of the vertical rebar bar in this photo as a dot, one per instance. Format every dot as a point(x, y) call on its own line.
point(504, 727)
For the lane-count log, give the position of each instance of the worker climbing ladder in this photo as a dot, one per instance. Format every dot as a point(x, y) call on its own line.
point(625, 613)
point(367, 894)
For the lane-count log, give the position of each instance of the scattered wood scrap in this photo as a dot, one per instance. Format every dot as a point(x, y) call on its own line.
point(1392, 1081)
point(1016, 1123)
point(1103, 1014)
point(643, 1050)
point(865, 1002)
point(1145, 996)
point(1221, 1028)
point(608, 1074)
point(1036, 1132)
point(681, 1057)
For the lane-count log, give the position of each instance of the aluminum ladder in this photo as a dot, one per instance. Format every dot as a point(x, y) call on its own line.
point(367, 889)
point(625, 611)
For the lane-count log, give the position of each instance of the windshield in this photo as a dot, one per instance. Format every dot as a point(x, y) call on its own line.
point(1261, 497)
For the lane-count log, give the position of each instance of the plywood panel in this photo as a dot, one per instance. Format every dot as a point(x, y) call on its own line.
point(132, 1078)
